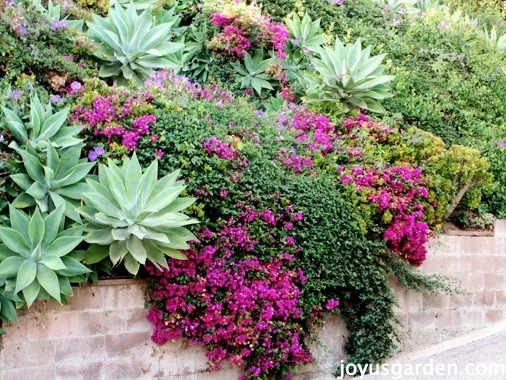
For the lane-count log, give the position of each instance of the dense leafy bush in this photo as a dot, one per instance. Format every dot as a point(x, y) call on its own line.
point(53, 55)
point(269, 196)
point(447, 80)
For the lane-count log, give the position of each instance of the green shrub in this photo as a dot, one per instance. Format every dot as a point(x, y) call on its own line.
point(30, 45)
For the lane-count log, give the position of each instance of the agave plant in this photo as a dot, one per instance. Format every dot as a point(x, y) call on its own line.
point(8, 304)
point(136, 216)
point(253, 74)
point(348, 75)
point(43, 126)
point(305, 35)
point(495, 42)
point(58, 181)
point(131, 45)
point(35, 257)
point(140, 5)
point(398, 6)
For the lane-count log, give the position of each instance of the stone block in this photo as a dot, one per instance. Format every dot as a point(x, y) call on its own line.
point(50, 326)
point(108, 322)
point(27, 354)
point(80, 371)
point(87, 349)
point(134, 344)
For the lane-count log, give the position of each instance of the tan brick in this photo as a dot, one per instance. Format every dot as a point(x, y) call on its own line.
point(500, 264)
point(31, 373)
point(137, 321)
point(459, 264)
point(443, 319)
point(436, 302)
point(495, 281)
point(459, 301)
point(445, 244)
point(485, 298)
point(473, 245)
point(129, 368)
point(422, 320)
point(500, 229)
point(500, 298)
point(77, 371)
point(87, 349)
point(232, 373)
point(132, 344)
point(87, 297)
point(51, 326)
point(500, 247)
point(102, 322)
point(435, 264)
point(410, 301)
point(16, 331)
point(466, 319)
point(27, 354)
point(124, 296)
point(484, 263)
point(494, 316)
point(473, 282)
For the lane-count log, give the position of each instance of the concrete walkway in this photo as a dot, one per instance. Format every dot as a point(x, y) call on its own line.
point(480, 355)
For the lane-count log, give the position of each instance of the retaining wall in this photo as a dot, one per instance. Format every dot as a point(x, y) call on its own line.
point(103, 333)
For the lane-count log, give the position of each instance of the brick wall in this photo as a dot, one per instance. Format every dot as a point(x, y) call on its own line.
point(103, 333)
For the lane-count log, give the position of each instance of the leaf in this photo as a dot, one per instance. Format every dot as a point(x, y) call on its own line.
point(117, 251)
point(136, 249)
point(74, 267)
point(63, 245)
point(14, 241)
point(96, 253)
point(36, 229)
point(131, 264)
point(49, 281)
point(52, 224)
point(52, 262)
point(10, 266)
point(26, 274)
point(31, 292)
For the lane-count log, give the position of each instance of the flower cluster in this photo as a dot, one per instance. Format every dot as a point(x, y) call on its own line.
point(120, 116)
point(243, 309)
point(396, 192)
point(220, 148)
point(165, 81)
point(243, 27)
point(231, 41)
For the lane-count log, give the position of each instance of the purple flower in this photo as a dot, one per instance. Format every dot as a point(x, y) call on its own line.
point(99, 150)
point(57, 25)
point(501, 144)
point(76, 87)
point(15, 94)
point(332, 304)
point(92, 156)
point(55, 99)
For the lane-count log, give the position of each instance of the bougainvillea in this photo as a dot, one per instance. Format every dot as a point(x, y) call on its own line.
point(243, 27)
point(117, 118)
point(395, 192)
point(245, 310)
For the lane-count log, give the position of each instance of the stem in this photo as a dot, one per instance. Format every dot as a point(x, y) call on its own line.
point(460, 195)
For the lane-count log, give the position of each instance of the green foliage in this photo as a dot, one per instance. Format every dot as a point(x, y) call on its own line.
point(31, 47)
point(43, 126)
point(350, 77)
point(131, 46)
point(136, 216)
point(35, 258)
point(52, 181)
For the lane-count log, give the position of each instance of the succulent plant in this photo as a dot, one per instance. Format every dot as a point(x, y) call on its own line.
point(349, 76)
point(252, 74)
point(57, 181)
point(34, 256)
point(495, 42)
point(130, 45)
point(8, 305)
point(305, 35)
point(135, 216)
point(43, 126)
